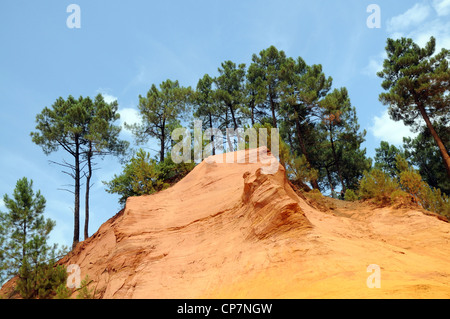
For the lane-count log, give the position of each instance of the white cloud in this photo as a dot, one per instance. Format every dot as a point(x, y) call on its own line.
point(2, 204)
point(438, 28)
point(442, 7)
point(412, 17)
point(375, 64)
point(390, 131)
point(130, 116)
point(109, 98)
point(418, 23)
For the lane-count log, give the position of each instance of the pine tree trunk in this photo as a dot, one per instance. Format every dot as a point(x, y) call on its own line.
point(212, 135)
point(272, 107)
point(313, 182)
point(233, 117)
point(440, 144)
point(76, 213)
point(163, 140)
point(88, 181)
point(336, 160)
point(24, 242)
point(252, 118)
point(330, 180)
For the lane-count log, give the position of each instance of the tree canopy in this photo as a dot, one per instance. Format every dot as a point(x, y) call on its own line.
point(417, 84)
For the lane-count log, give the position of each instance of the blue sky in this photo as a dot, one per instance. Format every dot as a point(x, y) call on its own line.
point(123, 47)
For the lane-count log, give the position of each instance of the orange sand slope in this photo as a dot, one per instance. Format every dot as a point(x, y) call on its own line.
point(231, 231)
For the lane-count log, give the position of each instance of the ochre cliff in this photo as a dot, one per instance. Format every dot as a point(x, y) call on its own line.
point(231, 231)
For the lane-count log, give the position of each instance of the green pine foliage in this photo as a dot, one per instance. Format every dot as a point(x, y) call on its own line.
point(44, 281)
point(405, 187)
point(378, 186)
point(350, 195)
point(161, 110)
point(429, 198)
point(25, 251)
point(143, 175)
point(416, 83)
point(84, 292)
point(84, 129)
point(423, 153)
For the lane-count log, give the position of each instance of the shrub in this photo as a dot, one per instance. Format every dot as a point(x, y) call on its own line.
point(315, 194)
point(400, 198)
point(431, 199)
point(377, 185)
point(299, 170)
point(42, 281)
point(350, 195)
point(85, 292)
point(412, 183)
point(436, 201)
point(143, 175)
point(62, 292)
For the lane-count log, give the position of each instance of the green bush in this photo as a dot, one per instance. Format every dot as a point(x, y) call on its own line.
point(143, 175)
point(436, 201)
point(350, 195)
point(378, 186)
point(42, 281)
point(409, 189)
point(429, 198)
point(316, 195)
point(401, 198)
point(299, 171)
point(62, 292)
point(411, 182)
point(84, 292)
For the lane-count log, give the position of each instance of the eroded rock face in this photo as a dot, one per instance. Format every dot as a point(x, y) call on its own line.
point(231, 231)
point(270, 205)
point(182, 242)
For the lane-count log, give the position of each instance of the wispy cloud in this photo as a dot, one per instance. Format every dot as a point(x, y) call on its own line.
point(375, 64)
point(109, 98)
point(129, 116)
point(411, 18)
point(439, 28)
point(419, 23)
point(442, 7)
point(385, 129)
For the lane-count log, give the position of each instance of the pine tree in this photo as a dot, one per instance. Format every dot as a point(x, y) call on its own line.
point(101, 139)
point(26, 252)
point(344, 140)
point(64, 126)
point(230, 91)
point(386, 158)
point(161, 111)
point(417, 81)
point(303, 88)
point(84, 129)
point(206, 106)
point(265, 75)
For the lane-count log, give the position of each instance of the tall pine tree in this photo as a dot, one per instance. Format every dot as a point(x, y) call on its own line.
point(161, 111)
point(25, 250)
point(417, 81)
